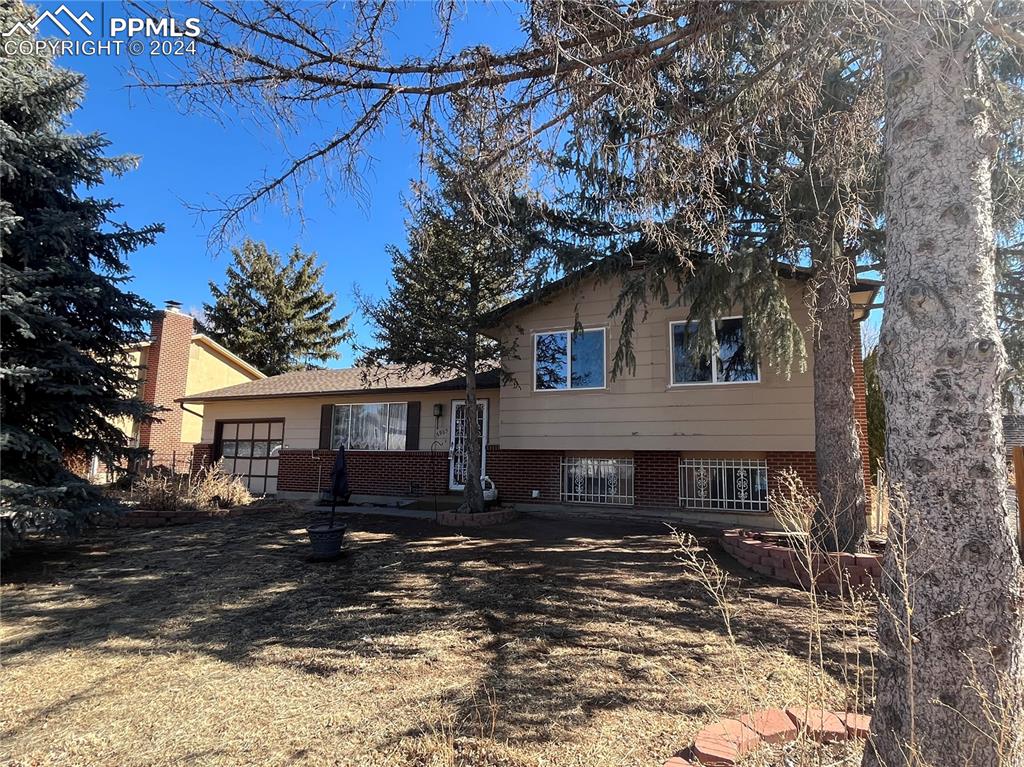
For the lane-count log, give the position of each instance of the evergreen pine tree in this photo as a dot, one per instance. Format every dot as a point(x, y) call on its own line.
point(876, 411)
point(275, 314)
point(64, 377)
point(463, 261)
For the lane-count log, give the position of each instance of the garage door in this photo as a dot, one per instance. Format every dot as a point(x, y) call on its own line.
point(251, 450)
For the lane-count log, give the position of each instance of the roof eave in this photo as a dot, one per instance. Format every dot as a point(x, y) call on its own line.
point(229, 355)
point(200, 398)
point(861, 311)
point(495, 317)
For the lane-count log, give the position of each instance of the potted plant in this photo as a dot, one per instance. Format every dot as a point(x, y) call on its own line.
point(326, 538)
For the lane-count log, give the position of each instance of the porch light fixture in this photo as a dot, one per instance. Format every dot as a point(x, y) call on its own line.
point(438, 409)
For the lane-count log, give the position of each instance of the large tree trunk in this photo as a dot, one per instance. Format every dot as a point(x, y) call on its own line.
point(473, 492)
point(955, 635)
point(839, 520)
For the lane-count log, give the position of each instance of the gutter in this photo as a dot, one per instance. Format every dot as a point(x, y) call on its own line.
point(191, 412)
point(339, 392)
point(492, 319)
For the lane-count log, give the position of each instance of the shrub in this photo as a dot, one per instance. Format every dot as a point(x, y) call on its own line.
point(159, 492)
point(208, 488)
point(838, 645)
point(212, 488)
point(793, 504)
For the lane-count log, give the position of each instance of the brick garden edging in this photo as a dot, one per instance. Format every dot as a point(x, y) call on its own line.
point(485, 519)
point(725, 741)
point(835, 573)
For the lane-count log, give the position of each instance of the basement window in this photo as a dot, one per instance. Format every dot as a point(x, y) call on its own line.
point(597, 480)
point(713, 484)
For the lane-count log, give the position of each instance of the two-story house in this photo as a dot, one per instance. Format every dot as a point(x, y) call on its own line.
point(707, 437)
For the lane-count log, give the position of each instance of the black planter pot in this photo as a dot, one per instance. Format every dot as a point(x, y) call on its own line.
point(326, 540)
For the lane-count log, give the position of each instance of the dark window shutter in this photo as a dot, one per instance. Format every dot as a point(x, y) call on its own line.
point(412, 426)
point(326, 426)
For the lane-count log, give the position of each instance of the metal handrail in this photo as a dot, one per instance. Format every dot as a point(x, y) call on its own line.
point(435, 448)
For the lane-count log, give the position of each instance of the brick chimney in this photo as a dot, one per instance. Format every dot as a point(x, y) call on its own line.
point(164, 381)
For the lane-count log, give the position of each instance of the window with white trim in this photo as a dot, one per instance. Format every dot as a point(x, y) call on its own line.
point(370, 426)
point(566, 359)
point(731, 364)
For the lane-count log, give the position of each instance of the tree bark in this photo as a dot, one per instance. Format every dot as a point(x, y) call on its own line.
point(473, 492)
point(839, 520)
point(954, 634)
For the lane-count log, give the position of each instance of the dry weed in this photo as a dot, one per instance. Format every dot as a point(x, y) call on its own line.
point(838, 649)
point(543, 642)
point(207, 489)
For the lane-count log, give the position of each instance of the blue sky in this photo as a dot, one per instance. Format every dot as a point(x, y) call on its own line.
point(191, 159)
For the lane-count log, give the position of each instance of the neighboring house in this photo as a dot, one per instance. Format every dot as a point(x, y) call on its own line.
point(710, 439)
point(1013, 431)
point(1013, 436)
point(174, 363)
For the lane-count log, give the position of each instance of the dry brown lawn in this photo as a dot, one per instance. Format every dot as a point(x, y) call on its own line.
point(536, 643)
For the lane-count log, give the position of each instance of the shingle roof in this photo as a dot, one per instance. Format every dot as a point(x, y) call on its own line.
point(309, 383)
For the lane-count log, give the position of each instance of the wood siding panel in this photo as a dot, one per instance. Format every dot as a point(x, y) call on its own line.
point(676, 416)
point(642, 411)
point(302, 415)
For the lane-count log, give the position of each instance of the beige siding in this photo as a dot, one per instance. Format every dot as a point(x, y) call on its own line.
point(302, 415)
point(642, 411)
point(137, 359)
point(207, 371)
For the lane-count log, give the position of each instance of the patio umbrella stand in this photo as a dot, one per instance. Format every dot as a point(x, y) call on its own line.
point(326, 539)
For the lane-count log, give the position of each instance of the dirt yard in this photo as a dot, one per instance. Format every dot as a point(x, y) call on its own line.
point(536, 643)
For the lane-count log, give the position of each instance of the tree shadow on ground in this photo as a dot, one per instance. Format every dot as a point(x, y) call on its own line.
point(560, 621)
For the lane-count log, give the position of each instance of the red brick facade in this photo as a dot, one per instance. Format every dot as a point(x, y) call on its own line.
point(202, 455)
point(516, 473)
point(164, 381)
point(802, 462)
point(656, 478)
point(860, 403)
point(399, 472)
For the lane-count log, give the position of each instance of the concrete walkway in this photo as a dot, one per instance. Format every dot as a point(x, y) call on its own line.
point(633, 518)
point(373, 510)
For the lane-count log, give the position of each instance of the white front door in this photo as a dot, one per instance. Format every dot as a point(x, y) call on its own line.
point(457, 450)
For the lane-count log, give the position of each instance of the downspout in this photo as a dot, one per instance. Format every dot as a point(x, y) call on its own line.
point(192, 455)
point(191, 412)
